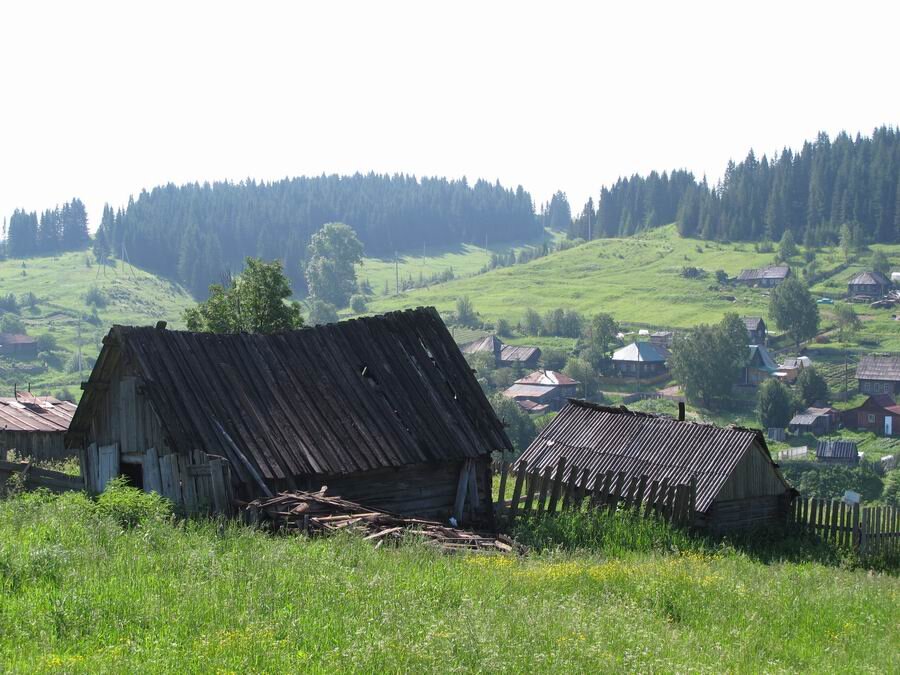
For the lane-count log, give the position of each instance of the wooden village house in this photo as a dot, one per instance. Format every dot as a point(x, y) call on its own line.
point(765, 277)
point(34, 426)
point(737, 483)
point(760, 366)
point(879, 374)
point(640, 360)
point(871, 285)
point(816, 421)
point(383, 410)
point(504, 356)
point(879, 414)
point(756, 330)
point(18, 346)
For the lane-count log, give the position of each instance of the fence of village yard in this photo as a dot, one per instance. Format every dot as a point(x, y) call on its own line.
point(563, 487)
point(871, 530)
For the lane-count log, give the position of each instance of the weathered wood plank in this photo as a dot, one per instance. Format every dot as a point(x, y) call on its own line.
point(517, 491)
point(152, 479)
point(557, 484)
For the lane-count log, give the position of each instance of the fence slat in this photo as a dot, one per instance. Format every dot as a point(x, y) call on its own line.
point(531, 487)
point(557, 484)
point(639, 498)
point(569, 492)
point(501, 492)
point(582, 490)
point(517, 491)
point(670, 503)
point(545, 485)
point(616, 492)
point(651, 498)
point(660, 504)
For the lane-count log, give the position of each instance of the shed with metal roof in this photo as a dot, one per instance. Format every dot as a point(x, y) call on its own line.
point(836, 451)
point(383, 410)
point(738, 484)
point(34, 426)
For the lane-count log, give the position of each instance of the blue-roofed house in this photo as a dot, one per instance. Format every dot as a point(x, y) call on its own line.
point(639, 360)
point(760, 366)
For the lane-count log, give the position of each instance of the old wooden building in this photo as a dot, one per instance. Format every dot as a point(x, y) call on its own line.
point(737, 483)
point(879, 414)
point(34, 426)
point(383, 410)
point(757, 333)
point(640, 360)
point(868, 284)
point(879, 374)
point(766, 277)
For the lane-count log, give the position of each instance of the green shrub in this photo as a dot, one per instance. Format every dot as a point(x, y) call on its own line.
point(130, 506)
point(95, 297)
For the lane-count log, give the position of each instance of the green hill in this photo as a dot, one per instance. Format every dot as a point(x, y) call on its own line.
point(60, 286)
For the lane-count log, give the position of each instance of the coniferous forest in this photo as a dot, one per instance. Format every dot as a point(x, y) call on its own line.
point(811, 192)
point(61, 229)
point(194, 232)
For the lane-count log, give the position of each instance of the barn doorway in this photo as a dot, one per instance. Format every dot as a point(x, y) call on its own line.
point(134, 472)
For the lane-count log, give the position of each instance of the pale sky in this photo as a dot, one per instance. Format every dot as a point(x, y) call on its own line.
point(100, 100)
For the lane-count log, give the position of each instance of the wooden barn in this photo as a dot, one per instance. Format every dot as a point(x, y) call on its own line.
point(384, 410)
point(737, 483)
point(34, 426)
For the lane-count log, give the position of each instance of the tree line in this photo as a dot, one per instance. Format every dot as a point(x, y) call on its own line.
point(196, 231)
point(813, 192)
point(59, 229)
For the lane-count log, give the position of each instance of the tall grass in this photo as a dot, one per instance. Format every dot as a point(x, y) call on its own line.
point(84, 590)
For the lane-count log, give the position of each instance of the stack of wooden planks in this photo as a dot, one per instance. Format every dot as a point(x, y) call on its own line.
point(318, 513)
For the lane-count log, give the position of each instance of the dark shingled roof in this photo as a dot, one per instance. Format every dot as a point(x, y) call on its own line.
point(879, 367)
point(605, 439)
point(513, 353)
point(753, 323)
point(375, 392)
point(771, 272)
point(869, 279)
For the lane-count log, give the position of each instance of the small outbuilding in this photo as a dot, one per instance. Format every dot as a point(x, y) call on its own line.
point(18, 346)
point(837, 452)
point(816, 421)
point(34, 426)
point(542, 391)
point(757, 333)
point(512, 356)
point(383, 410)
point(639, 360)
point(869, 284)
point(738, 484)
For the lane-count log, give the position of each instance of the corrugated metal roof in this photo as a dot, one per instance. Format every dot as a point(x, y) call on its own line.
point(514, 353)
point(879, 367)
point(831, 449)
point(32, 413)
point(809, 416)
point(765, 359)
point(489, 343)
point(546, 378)
point(753, 323)
point(373, 392)
point(639, 351)
point(605, 439)
point(528, 391)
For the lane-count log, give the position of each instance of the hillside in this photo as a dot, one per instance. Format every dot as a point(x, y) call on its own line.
point(60, 284)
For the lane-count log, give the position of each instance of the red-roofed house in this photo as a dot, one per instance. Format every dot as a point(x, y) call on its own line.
point(879, 414)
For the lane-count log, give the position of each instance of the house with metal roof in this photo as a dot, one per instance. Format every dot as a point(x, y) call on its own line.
point(836, 451)
point(18, 346)
point(816, 421)
point(383, 410)
point(868, 284)
point(738, 484)
point(879, 414)
point(505, 356)
point(640, 360)
point(879, 374)
point(765, 277)
point(760, 366)
point(542, 391)
point(34, 426)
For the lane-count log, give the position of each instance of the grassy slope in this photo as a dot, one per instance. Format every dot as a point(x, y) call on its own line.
point(77, 594)
point(60, 283)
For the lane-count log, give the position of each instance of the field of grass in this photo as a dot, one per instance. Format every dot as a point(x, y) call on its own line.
point(80, 594)
point(60, 284)
point(638, 280)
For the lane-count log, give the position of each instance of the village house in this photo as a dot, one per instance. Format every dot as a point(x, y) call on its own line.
point(837, 452)
point(34, 426)
point(642, 360)
point(765, 277)
point(878, 413)
point(790, 370)
point(815, 421)
point(871, 285)
point(18, 346)
point(756, 330)
point(382, 410)
point(738, 485)
point(760, 366)
point(879, 374)
point(542, 388)
point(662, 340)
point(505, 356)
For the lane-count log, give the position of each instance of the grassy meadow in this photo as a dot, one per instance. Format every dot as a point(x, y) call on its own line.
point(60, 284)
point(81, 593)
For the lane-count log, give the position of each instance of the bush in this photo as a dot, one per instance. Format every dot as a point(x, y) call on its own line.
point(130, 506)
point(320, 312)
point(465, 312)
point(358, 304)
point(46, 343)
point(691, 272)
point(96, 297)
point(8, 303)
point(554, 359)
point(11, 324)
point(29, 300)
point(722, 276)
point(503, 328)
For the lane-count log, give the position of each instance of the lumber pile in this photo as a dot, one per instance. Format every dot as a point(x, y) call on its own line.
point(316, 513)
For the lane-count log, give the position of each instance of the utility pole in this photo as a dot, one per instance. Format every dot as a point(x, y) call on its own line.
point(396, 273)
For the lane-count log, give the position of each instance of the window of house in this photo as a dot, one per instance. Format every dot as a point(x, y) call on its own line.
point(871, 418)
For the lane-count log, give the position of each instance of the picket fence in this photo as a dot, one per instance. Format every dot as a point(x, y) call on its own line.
point(868, 529)
point(557, 489)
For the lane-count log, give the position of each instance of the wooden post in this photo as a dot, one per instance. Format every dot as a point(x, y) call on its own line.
point(863, 532)
point(651, 498)
point(660, 503)
point(581, 490)
point(854, 525)
point(571, 488)
point(501, 492)
point(517, 491)
point(616, 492)
point(670, 502)
point(826, 521)
point(545, 485)
point(639, 497)
point(557, 484)
point(462, 489)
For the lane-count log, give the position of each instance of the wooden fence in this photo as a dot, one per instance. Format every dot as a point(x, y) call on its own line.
point(560, 488)
point(33, 477)
point(867, 529)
